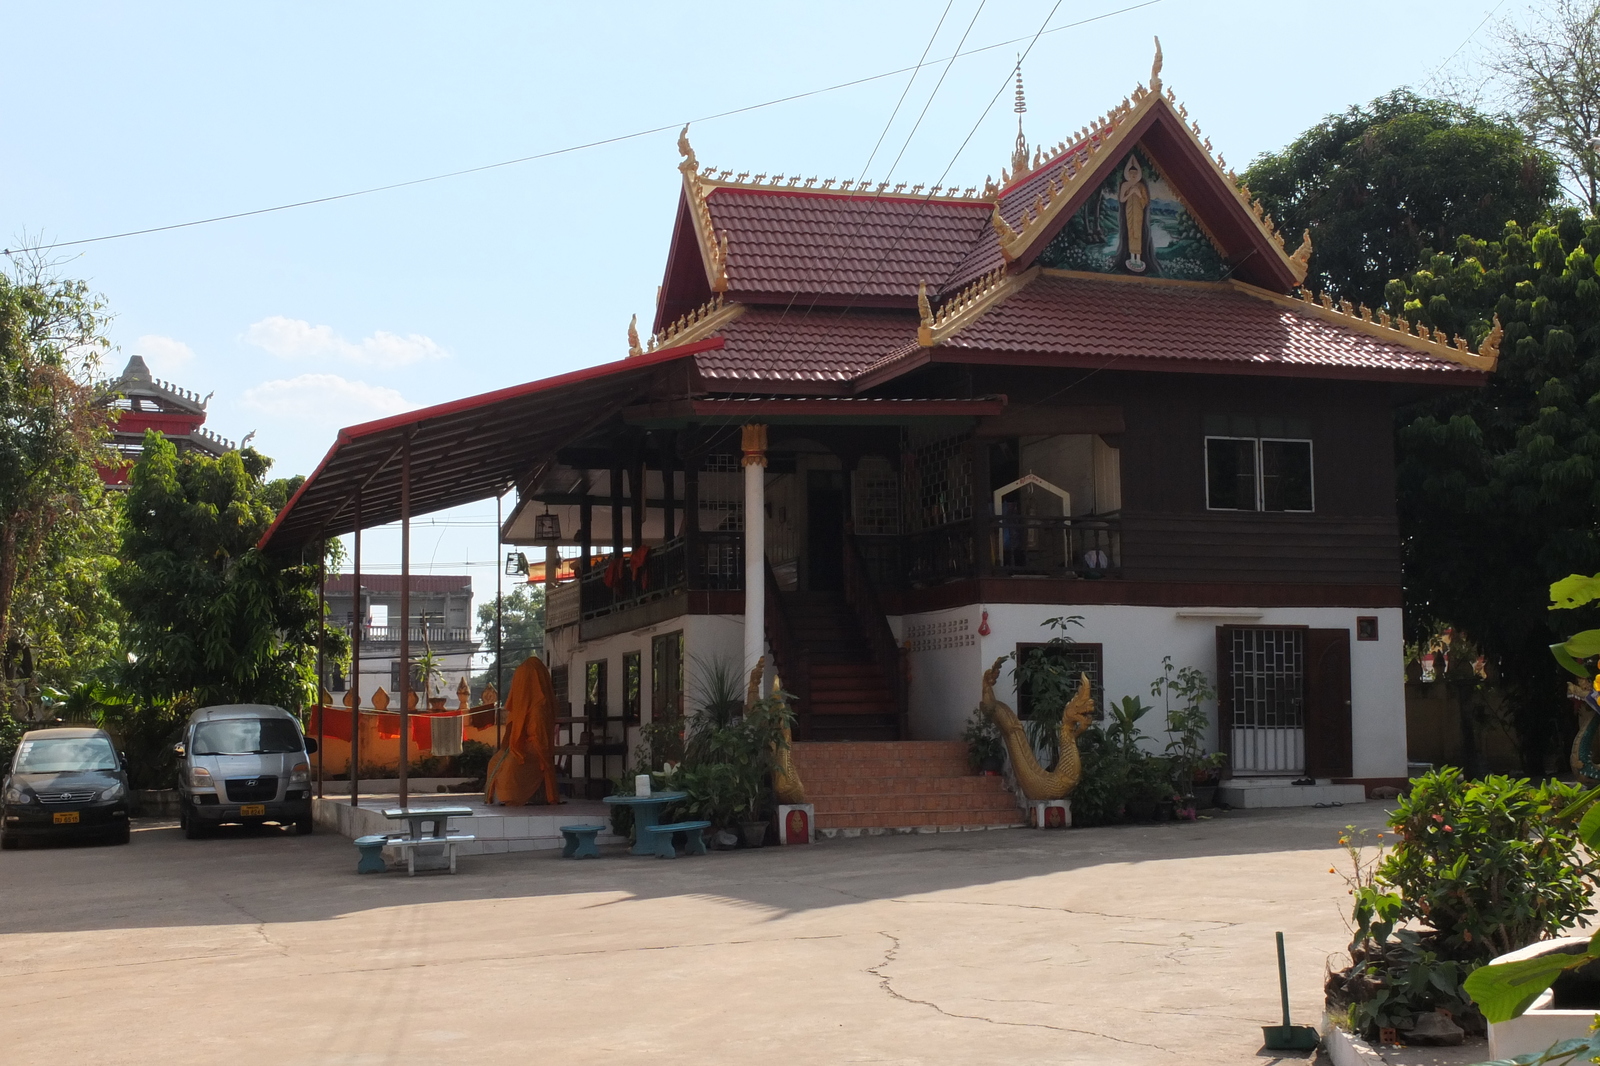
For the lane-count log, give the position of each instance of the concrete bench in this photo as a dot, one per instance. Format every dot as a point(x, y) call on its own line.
point(371, 849)
point(580, 841)
point(692, 831)
point(410, 845)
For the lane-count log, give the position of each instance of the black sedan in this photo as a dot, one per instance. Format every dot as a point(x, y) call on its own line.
point(64, 783)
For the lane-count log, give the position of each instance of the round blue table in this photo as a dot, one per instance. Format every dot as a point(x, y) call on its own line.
point(646, 813)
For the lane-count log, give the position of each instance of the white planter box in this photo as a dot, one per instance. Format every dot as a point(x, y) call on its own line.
point(1541, 1026)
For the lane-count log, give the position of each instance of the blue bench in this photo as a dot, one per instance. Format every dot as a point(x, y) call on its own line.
point(692, 831)
point(371, 848)
point(580, 841)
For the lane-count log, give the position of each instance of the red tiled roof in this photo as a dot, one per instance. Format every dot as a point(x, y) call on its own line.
point(339, 584)
point(1202, 323)
point(984, 255)
point(821, 345)
point(842, 245)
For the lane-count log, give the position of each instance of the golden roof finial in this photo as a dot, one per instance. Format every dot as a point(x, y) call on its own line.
point(925, 310)
point(1155, 71)
point(1019, 154)
point(689, 164)
point(634, 348)
point(1302, 255)
point(1001, 229)
point(1490, 348)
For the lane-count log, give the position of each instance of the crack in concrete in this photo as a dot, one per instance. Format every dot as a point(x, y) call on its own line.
point(893, 952)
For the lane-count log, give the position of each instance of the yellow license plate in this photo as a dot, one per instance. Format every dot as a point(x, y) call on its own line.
point(250, 810)
point(66, 817)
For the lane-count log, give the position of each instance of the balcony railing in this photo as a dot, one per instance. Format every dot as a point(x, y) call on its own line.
point(1087, 546)
point(418, 635)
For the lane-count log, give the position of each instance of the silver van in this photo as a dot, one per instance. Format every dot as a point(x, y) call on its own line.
point(246, 763)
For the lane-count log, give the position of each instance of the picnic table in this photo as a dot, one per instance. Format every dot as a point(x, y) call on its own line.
point(646, 813)
point(428, 836)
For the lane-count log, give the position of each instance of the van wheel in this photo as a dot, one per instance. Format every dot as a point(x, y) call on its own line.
point(304, 826)
point(192, 829)
point(123, 835)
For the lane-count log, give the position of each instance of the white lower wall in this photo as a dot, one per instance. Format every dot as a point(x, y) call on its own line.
point(949, 655)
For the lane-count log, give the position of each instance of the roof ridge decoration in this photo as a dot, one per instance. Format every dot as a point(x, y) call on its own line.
point(696, 325)
point(1109, 131)
point(968, 305)
point(713, 251)
point(1399, 329)
point(709, 179)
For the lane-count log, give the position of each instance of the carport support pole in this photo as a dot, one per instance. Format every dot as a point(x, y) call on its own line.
point(754, 442)
point(360, 623)
point(499, 615)
point(405, 616)
point(322, 623)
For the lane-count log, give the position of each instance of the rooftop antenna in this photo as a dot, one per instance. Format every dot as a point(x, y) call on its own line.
point(1019, 154)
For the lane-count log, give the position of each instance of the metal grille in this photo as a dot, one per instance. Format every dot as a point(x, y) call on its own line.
point(937, 481)
point(877, 502)
point(1267, 675)
point(722, 493)
point(252, 789)
point(66, 797)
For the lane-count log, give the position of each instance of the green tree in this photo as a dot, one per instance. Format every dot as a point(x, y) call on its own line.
point(63, 610)
point(51, 429)
point(210, 618)
point(1498, 494)
point(521, 633)
point(1380, 186)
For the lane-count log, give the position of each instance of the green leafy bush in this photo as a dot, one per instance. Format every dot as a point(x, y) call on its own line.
point(983, 741)
point(11, 732)
point(1490, 866)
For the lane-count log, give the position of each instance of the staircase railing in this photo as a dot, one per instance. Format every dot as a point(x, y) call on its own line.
point(862, 597)
point(790, 658)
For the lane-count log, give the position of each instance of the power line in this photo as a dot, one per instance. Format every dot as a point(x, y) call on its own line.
point(552, 153)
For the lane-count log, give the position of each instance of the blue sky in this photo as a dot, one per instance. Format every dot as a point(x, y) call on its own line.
point(121, 117)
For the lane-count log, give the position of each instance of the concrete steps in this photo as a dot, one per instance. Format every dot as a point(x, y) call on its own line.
point(881, 786)
point(1250, 792)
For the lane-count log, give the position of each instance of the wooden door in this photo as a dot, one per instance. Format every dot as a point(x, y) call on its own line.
point(1328, 745)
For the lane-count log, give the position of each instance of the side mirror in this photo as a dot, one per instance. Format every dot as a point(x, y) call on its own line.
point(179, 750)
point(311, 745)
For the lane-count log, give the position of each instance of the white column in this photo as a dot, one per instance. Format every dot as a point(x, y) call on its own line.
point(754, 440)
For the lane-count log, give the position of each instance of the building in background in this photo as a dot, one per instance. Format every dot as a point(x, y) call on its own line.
point(441, 622)
point(143, 402)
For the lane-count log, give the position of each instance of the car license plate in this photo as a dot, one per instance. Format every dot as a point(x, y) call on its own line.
point(66, 817)
point(252, 810)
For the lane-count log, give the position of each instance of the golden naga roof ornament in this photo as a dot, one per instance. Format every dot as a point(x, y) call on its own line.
point(966, 306)
point(695, 326)
point(713, 250)
point(1400, 330)
point(1302, 257)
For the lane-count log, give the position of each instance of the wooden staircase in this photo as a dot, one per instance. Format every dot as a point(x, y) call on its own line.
point(901, 785)
point(847, 694)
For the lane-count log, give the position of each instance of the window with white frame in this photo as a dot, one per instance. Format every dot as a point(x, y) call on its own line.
point(1263, 464)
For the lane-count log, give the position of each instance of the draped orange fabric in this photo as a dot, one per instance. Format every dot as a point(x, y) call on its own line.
point(523, 771)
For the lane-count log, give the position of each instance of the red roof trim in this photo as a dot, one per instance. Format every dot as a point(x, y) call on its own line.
point(1177, 365)
point(486, 399)
point(850, 405)
point(901, 198)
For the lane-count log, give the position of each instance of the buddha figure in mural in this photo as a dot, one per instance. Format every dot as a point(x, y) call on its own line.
point(1134, 198)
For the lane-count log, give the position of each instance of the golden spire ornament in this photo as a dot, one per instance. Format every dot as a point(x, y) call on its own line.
point(1019, 154)
point(1155, 70)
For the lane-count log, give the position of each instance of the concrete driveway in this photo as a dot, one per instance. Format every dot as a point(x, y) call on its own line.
point(1107, 946)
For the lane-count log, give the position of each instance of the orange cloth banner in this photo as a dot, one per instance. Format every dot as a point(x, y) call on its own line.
point(523, 770)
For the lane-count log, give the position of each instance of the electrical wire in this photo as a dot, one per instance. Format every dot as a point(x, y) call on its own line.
point(552, 153)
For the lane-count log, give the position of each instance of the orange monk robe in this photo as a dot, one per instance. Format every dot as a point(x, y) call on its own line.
point(523, 770)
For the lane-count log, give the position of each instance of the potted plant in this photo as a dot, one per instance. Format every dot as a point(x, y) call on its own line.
point(1184, 692)
point(985, 749)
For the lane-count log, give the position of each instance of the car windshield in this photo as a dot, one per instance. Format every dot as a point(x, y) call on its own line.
point(61, 755)
point(246, 736)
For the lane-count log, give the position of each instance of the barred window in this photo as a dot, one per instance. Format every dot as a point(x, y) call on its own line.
point(876, 506)
point(937, 480)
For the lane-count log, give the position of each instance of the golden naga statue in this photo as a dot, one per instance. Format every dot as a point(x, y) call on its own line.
point(785, 778)
point(1075, 718)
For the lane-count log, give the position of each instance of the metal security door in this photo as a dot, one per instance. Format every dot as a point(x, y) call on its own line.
point(1263, 674)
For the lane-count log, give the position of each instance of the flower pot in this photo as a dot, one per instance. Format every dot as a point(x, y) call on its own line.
point(1560, 1013)
point(755, 833)
point(1140, 809)
point(990, 765)
point(1205, 797)
point(436, 703)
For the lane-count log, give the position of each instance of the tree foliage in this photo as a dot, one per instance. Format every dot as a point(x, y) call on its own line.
point(521, 630)
point(51, 428)
point(210, 618)
point(1497, 485)
point(1379, 186)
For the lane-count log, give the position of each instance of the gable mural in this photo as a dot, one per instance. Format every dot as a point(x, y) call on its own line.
point(1135, 224)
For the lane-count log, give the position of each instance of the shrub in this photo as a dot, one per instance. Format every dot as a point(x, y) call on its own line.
point(1490, 866)
point(11, 732)
point(983, 741)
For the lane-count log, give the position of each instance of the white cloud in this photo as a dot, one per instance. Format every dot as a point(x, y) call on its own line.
point(164, 355)
point(295, 338)
point(324, 399)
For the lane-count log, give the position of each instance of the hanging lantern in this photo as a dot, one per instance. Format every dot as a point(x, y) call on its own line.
point(547, 527)
point(516, 564)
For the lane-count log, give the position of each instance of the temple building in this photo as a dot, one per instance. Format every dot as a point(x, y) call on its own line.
point(142, 403)
point(440, 607)
point(881, 435)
